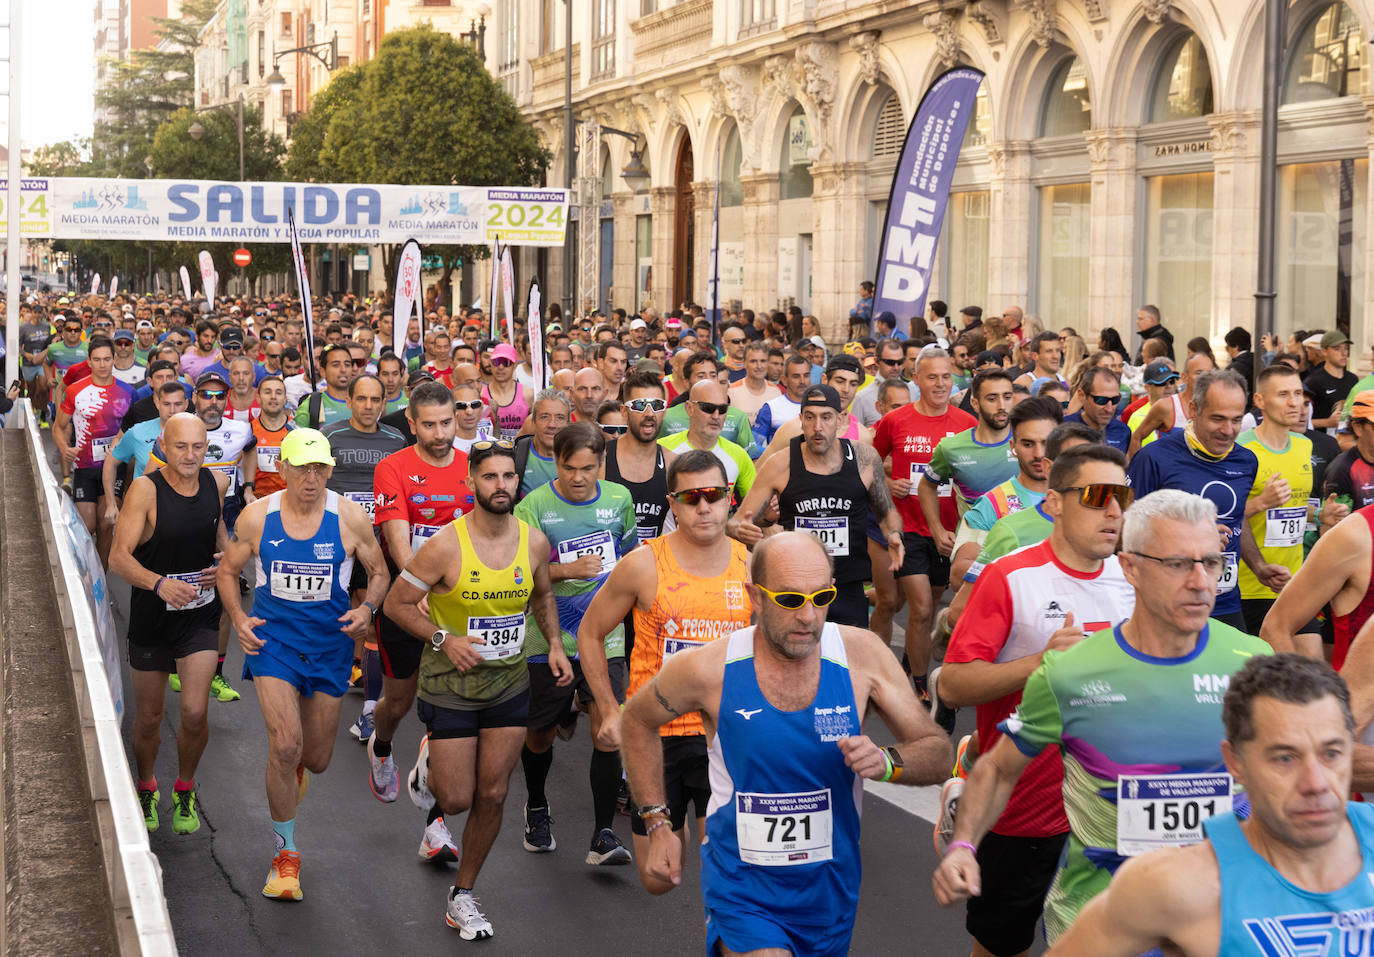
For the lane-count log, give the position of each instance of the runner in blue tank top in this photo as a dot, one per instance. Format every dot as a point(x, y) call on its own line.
point(783, 704)
point(304, 541)
point(1294, 880)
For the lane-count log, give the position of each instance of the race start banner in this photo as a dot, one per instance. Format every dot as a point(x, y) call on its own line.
point(208, 211)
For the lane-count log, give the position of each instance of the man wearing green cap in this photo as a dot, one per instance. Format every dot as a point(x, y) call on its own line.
point(299, 641)
point(1331, 381)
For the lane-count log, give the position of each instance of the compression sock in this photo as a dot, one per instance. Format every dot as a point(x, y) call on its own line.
point(605, 780)
point(285, 834)
point(219, 668)
point(380, 748)
point(536, 774)
point(184, 785)
point(372, 675)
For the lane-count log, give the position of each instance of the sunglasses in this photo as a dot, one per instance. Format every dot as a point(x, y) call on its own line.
point(272, 355)
point(792, 600)
point(267, 336)
point(232, 346)
point(502, 362)
point(646, 405)
point(714, 408)
point(359, 363)
point(1099, 494)
point(732, 342)
point(471, 405)
point(1103, 399)
point(610, 429)
point(692, 497)
point(212, 393)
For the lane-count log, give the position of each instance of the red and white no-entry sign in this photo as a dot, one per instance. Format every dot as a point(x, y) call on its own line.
point(242, 257)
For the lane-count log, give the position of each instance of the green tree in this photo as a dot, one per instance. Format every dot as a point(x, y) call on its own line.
point(341, 98)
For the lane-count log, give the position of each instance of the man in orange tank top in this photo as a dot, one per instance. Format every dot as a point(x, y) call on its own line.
point(684, 588)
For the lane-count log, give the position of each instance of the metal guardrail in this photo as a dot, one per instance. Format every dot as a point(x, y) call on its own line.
point(133, 872)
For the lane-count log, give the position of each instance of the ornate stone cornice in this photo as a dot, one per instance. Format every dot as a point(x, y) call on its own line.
point(1044, 20)
point(817, 65)
point(866, 46)
point(945, 27)
point(1157, 11)
point(1230, 132)
point(981, 12)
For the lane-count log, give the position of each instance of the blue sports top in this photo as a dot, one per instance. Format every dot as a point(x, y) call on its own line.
point(302, 586)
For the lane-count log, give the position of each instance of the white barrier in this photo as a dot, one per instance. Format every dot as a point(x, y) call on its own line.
point(135, 874)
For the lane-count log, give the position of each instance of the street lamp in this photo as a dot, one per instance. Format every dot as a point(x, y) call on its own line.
point(276, 82)
point(197, 132)
point(477, 35)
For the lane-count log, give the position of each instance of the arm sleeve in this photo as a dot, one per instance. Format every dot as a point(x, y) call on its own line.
point(1037, 721)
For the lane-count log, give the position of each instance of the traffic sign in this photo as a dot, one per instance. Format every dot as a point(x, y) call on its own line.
point(242, 257)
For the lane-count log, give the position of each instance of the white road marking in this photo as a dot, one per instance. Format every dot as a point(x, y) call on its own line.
point(923, 802)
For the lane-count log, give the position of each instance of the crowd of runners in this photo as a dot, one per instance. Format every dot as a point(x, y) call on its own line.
point(1148, 575)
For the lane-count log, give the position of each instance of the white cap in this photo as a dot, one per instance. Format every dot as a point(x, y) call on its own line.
point(817, 341)
point(1313, 341)
point(638, 324)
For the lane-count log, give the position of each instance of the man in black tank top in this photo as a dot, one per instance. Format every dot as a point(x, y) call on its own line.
point(636, 460)
point(164, 546)
point(827, 486)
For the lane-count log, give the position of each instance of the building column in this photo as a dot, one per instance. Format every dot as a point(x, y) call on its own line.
point(623, 251)
point(1009, 226)
point(1111, 254)
point(761, 191)
point(704, 199)
point(1235, 219)
point(663, 202)
point(837, 245)
point(1359, 352)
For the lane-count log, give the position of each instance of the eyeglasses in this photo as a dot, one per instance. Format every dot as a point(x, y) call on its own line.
point(266, 336)
point(714, 408)
point(1103, 399)
point(272, 355)
point(471, 405)
point(485, 444)
point(611, 429)
point(314, 468)
point(691, 497)
point(792, 600)
point(733, 342)
point(1213, 565)
point(890, 362)
point(1099, 494)
point(646, 405)
point(212, 393)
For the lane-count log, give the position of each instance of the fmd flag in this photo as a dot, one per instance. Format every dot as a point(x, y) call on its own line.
point(920, 191)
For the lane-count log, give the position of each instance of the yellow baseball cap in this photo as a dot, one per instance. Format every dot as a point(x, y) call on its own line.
point(306, 447)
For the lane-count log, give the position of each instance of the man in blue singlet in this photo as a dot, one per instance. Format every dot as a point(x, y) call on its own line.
point(1296, 878)
point(783, 704)
point(299, 641)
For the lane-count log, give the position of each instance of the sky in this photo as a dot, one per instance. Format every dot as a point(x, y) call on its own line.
point(58, 69)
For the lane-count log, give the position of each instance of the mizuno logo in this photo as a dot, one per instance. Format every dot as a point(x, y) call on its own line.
point(746, 715)
point(275, 542)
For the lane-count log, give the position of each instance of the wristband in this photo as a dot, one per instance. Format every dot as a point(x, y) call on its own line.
point(158, 585)
point(887, 761)
point(651, 809)
point(661, 822)
point(953, 844)
point(370, 607)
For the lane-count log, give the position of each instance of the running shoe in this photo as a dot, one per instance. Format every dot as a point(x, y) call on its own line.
point(284, 879)
point(185, 820)
point(382, 778)
point(355, 677)
point(417, 781)
point(437, 847)
point(538, 830)
point(963, 760)
point(302, 782)
point(220, 690)
point(174, 682)
point(606, 849)
point(949, 809)
point(148, 801)
point(67, 485)
point(362, 728)
point(464, 917)
point(942, 714)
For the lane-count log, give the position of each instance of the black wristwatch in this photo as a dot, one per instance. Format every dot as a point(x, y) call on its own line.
point(370, 607)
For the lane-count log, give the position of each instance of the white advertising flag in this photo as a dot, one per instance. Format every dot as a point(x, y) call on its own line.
point(408, 297)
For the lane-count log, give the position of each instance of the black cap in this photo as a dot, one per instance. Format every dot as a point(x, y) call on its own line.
point(975, 311)
point(231, 334)
point(418, 376)
point(1159, 372)
point(818, 396)
point(987, 356)
point(210, 375)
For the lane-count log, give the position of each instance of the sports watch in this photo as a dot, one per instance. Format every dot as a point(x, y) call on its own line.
point(436, 640)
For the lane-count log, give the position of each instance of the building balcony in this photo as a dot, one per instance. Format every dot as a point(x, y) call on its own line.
point(547, 81)
point(672, 35)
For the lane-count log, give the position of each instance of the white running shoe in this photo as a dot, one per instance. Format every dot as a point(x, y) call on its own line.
point(417, 781)
point(950, 792)
point(463, 916)
point(383, 779)
point(437, 846)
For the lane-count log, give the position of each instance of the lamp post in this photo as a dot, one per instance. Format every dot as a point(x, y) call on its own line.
point(197, 132)
point(276, 82)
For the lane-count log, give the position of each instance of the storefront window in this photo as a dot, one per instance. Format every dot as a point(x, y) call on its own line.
point(1328, 58)
point(644, 261)
point(1321, 244)
point(1068, 105)
point(1178, 251)
point(731, 192)
point(1065, 234)
point(1183, 88)
point(965, 246)
point(795, 164)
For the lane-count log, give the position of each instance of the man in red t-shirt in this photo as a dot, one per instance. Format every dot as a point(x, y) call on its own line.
point(908, 437)
point(418, 491)
point(1046, 597)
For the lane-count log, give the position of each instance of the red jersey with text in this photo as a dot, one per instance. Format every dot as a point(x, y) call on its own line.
point(1019, 601)
point(910, 439)
point(96, 412)
point(427, 496)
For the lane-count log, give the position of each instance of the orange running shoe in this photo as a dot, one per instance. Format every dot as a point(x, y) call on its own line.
point(284, 879)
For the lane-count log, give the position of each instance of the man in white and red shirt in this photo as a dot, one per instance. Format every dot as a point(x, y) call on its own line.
point(908, 436)
point(1044, 597)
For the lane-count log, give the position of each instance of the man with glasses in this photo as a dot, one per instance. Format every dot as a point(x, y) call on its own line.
point(829, 487)
point(753, 390)
point(331, 404)
point(682, 590)
point(298, 644)
point(480, 576)
point(1205, 457)
point(1042, 598)
point(1098, 391)
point(782, 705)
point(635, 459)
point(733, 342)
point(708, 405)
point(63, 353)
point(590, 525)
point(470, 417)
point(271, 363)
point(891, 359)
point(703, 366)
point(127, 368)
point(1133, 710)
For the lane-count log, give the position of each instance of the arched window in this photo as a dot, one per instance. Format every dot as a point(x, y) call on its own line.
point(889, 130)
point(1183, 86)
point(1068, 106)
point(732, 157)
point(608, 173)
point(794, 166)
point(1328, 58)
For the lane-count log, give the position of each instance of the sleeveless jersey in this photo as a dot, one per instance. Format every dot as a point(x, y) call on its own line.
point(1262, 913)
point(182, 543)
point(833, 508)
point(487, 603)
point(651, 497)
point(1278, 531)
point(687, 611)
point(268, 479)
point(303, 583)
point(508, 418)
point(1347, 626)
point(782, 825)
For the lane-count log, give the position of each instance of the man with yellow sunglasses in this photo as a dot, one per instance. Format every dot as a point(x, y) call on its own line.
point(782, 704)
